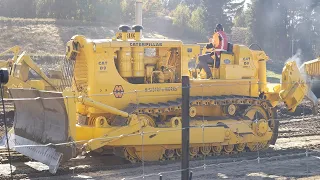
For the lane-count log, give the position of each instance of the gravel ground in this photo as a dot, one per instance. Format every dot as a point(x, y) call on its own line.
point(293, 164)
point(306, 168)
point(286, 160)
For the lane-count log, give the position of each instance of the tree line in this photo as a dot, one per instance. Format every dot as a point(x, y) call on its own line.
point(83, 10)
point(284, 27)
point(280, 27)
point(184, 12)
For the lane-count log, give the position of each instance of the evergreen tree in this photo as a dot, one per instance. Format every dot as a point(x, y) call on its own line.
point(220, 11)
point(282, 27)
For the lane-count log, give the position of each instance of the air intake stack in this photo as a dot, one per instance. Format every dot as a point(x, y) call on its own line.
point(124, 55)
point(138, 54)
point(124, 29)
point(137, 30)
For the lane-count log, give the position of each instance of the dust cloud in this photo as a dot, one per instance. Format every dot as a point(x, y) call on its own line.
point(296, 58)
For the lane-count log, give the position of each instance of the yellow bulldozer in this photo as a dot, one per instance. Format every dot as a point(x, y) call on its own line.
point(25, 73)
point(120, 94)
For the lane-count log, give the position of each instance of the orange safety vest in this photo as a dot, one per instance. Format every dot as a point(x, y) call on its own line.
point(220, 41)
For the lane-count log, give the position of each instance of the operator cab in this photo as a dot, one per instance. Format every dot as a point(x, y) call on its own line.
point(235, 63)
point(227, 57)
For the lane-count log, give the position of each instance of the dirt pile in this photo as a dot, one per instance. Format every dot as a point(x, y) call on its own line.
point(304, 109)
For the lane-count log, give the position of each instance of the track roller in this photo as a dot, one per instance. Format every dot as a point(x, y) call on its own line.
point(205, 150)
point(178, 152)
point(194, 151)
point(192, 112)
point(216, 149)
point(169, 153)
point(231, 109)
point(240, 147)
point(130, 155)
point(228, 148)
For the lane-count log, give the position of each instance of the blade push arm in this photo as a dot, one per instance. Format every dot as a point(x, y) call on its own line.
point(92, 103)
point(14, 49)
point(25, 59)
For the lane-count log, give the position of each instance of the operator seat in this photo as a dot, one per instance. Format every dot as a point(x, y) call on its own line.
point(229, 51)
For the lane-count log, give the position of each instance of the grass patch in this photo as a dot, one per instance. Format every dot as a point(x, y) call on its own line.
point(273, 77)
point(273, 74)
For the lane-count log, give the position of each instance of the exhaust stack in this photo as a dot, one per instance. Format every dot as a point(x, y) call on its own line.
point(139, 12)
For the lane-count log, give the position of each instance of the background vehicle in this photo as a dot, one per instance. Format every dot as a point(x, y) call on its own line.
point(25, 73)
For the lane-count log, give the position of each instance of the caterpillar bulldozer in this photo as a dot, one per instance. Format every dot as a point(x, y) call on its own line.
point(25, 73)
point(123, 96)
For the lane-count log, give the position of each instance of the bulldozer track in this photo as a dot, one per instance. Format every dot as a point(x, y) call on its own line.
point(17, 157)
point(173, 106)
point(223, 101)
point(242, 103)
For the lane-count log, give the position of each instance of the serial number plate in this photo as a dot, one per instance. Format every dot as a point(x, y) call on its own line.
point(130, 35)
point(159, 89)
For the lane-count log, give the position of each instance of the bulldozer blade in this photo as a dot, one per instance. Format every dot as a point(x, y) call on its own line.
point(41, 127)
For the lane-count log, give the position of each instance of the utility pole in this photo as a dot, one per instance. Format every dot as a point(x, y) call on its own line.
point(185, 128)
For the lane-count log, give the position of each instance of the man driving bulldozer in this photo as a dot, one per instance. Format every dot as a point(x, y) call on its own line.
point(219, 43)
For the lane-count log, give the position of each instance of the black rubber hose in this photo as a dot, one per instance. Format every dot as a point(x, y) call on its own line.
point(254, 44)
